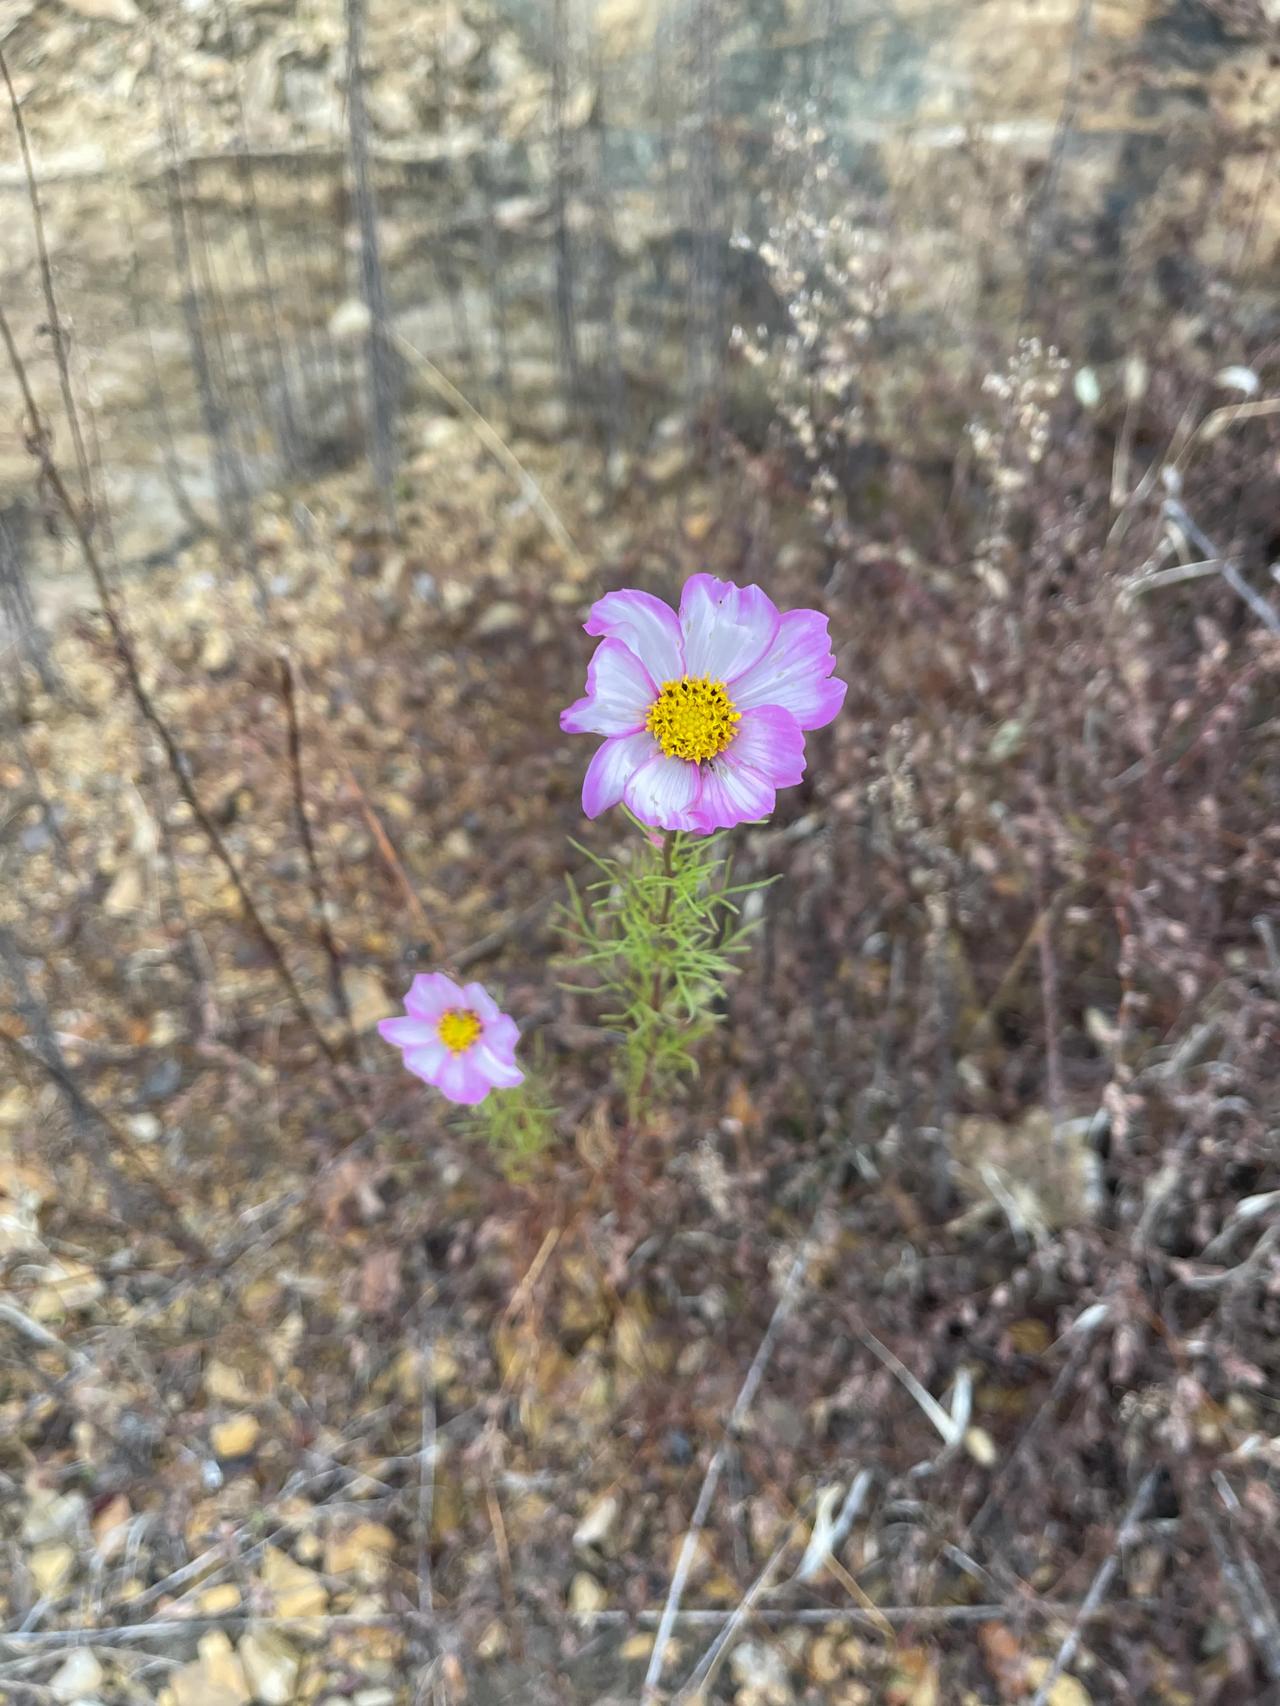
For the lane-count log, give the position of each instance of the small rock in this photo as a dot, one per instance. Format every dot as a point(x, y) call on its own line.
point(492, 1643)
point(217, 654)
point(78, 1676)
point(270, 1667)
point(225, 1384)
point(296, 1591)
point(1066, 1691)
point(457, 43)
point(51, 1568)
point(456, 596)
point(216, 1678)
point(391, 112)
point(53, 1516)
point(105, 11)
point(667, 465)
point(67, 1286)
point(367, 998)
point(218, 1600)
point(439, 430)
point(126, 894)
point(236, 1437)
point(144, 1128)
point(586, 1597)
point(760, 1668)
point(161, 1082)
point(595, 1526)
point(504, 616)
point(364, 1551)
point(825, 1664)
point(981, 1447)
point(350, 321)
point(111, 1528)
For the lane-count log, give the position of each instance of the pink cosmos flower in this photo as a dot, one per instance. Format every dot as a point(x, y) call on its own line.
point(457, 1039)
point(705, 713)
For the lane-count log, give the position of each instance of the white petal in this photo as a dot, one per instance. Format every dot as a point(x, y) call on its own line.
point(505, 1074)
point(612, 768)
point(770, 741)
point(426, 1059)
point(619, 693)
point(726, 628)
point(645, 624)
point(795, 673)
point(662, 792)
point(732, 794)
point(430, 994)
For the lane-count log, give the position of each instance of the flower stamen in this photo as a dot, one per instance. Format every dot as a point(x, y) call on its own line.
point(458, 1029)
point(693, 718)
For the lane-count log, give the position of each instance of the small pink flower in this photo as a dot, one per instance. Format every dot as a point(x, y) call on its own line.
point(705, 713)
point(457, 1039)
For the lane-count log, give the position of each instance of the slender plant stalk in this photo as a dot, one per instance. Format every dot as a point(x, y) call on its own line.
point(323, 927)
point(38, 445)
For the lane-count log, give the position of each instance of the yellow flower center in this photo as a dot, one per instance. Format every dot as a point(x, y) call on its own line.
point(693, 718)
point(458, 1029)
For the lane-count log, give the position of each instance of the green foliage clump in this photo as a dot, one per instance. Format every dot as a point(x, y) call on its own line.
point(518, 1125)
point(660, 931)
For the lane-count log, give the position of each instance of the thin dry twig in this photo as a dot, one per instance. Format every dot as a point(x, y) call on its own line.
point(1245, 1580)
point(704, 1672)
point(179, 1233)
point(39, 447)
point(1099, 1586)
point(505, 1573)
point(427, 1478)
point(1229, 570)
point(56, 332)
point(497, 446)
point(711, 1480)
point(324, 928)
point(159, 1630)
point(948, 1429)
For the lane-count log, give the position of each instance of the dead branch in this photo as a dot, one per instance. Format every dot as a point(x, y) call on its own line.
point(1244, 1581)
point(1173, 511)
point(180, 1235)
point(318, 898)
point(179, 765)
point(711, 1480)
point(1099, 1586)
point(56, 331)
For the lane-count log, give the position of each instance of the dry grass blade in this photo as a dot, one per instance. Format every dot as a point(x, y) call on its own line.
point(1099, 1586)
point(711, 1480)
point(320, 904)
point(497, 446)
point(948, 1429)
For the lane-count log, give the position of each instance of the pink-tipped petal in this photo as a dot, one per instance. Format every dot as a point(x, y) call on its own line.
point(431, 994)
point(502, 1074)
point(477, 999)
point(663, 792)
point(645, 624)
point(726, 628)
point(463, 1079)
point(795, 673)
point(502, 1036)
point(613, 766)
point(426, 1060)
point(406, 1032)
point(770, 741)
point(619, 693)
point(731, 794)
